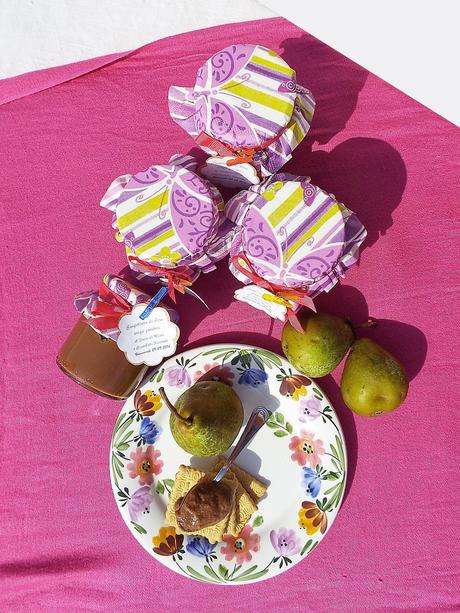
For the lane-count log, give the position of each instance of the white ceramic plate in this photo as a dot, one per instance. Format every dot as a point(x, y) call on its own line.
point(300, 453)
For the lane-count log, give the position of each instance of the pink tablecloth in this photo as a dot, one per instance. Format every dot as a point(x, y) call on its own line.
point(63, 544)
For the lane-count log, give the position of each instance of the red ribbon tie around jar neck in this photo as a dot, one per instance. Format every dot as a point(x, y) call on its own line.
point(108, 309)
point(241, 155)
point(178, 278)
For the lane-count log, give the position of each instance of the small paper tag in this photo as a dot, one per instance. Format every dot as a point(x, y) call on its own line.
point(238, 176)
point(149, 340)
point(262, 299)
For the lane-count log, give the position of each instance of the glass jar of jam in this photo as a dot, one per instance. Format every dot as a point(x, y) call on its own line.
point(90, 355)
point(95, 362)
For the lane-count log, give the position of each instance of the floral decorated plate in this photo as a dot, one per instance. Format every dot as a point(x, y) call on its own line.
point(300, 453)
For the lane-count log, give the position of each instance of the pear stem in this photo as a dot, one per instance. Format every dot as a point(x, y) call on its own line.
point(172, 408)
point(370, 323)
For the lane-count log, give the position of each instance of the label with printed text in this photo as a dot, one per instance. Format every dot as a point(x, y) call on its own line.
point(150, 340)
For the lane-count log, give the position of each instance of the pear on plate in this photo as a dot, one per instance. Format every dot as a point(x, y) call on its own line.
point(206, 418)
point(373, 380)
point(317, 351)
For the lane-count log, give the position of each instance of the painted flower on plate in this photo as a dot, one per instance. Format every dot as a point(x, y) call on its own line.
point(253, 377)
point(149, 431)
point(214, 372)
point(312, 518)
point(294, 385)
point(241, 547)
point(147, 403)
point(312, 481)
point(178, 376)
point(200, 546)
point(167, 542)
point(285, 542)
point(307, 449)
point(298, 392)
point(145, 463)
point(140, 502)
point(309, 408)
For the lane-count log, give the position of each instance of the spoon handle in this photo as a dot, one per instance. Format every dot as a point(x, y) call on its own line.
point(257, 419)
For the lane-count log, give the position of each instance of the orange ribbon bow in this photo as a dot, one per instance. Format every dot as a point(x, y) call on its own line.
point(242, 155)
point(178, 277)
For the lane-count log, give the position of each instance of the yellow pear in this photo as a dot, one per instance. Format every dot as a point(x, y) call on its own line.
point(317, 350)
point(206, 418)
point(373, 380)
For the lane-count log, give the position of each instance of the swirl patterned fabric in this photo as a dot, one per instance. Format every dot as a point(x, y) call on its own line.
point(294, 234)
point(246, 96)
point(168, 216)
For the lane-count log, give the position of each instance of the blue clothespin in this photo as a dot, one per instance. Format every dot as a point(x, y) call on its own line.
point(154, 302)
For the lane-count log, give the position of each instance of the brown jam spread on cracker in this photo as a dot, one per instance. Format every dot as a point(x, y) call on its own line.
point(207, 503)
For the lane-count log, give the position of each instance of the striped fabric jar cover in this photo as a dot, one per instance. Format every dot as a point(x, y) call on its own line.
point(246, 96)
point(168, 216)
point(294, 234)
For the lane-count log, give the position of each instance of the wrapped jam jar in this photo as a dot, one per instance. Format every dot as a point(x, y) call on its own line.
point(246, 110)
point(170, 220)
point(292, 241)
point(90, 355)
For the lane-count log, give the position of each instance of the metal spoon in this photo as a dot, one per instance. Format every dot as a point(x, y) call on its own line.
point(257, 419)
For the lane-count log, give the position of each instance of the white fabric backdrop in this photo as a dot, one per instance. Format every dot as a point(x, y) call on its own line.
point(38, 34)
point(410, 44)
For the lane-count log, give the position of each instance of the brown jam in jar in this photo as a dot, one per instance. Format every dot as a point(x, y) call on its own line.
point(96, 363)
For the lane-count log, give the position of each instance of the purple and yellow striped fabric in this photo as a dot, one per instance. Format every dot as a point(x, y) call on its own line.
point(169, 216)
point(294, 234)
point(246, 96)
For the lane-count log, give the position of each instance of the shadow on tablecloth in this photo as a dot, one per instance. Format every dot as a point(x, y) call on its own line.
point(366, 174)
point(335, 84)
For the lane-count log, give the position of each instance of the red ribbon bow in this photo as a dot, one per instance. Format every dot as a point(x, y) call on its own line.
point(241, 154)
point(285, 293)
point(178, 278)
point(108, 309)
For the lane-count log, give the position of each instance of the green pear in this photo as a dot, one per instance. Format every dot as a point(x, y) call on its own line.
point(322, 345)
point(206, 418)
point(373, 380)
